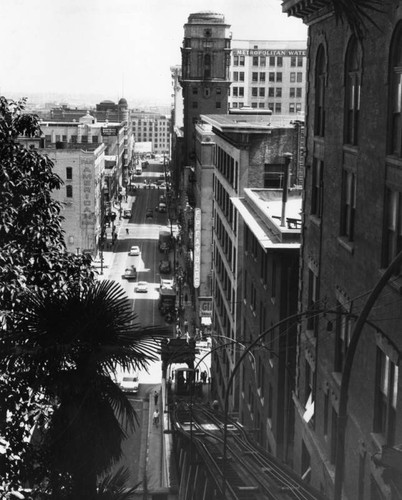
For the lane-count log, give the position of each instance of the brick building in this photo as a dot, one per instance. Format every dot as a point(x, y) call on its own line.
point(272, 227)
point(149, 127)
point(350, 354)
point(234, 152)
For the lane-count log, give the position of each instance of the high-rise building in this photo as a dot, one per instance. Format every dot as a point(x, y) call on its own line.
point(268, 74)
point(205, 71)
point(348, 426)
point(152, 128)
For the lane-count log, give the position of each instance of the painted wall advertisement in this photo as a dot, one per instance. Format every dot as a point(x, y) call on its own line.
point(197, 247)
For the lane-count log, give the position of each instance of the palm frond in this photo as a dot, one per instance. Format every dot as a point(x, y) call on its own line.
point(358, 13)
point(113, 486)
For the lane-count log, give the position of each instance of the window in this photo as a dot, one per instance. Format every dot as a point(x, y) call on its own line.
point(48, 138)
point(241, 91)
point(271, 76)
point(386, 396)
point(393, 236)
point(95, 139)
point(235, 91)
point(271, 105)
point(272, 61)
point(207, 66)
point(320, 76)
point(352, 92)
point(235, 76)
point(299, 77)
point(69, 173)
point(69, 191)
point(235, 60)
point(254, 77)
point(293, 61)
point(348, 204)
point(278, 107)
point(74, 139)
point(261, 92)
point(263, 61)
point(218, 91)
point(84, 139)
point(279, 61)
point(271, 92)
point(279, 77)
point(195, 91)
point(253, 104)
point(312, 301)
point(261, 105)
point(316, 192)
point(255, 61)
point(298, 92)
point(300, 61)
point(292, 77)
point(241, 60)
point(292, 92)
point(241, 76)
point(218, 105)
point(278, 92)
point(64, 139)
point(57, 138)
point(262, 77)
point(254, 91)
point(395, 104)
point(292, 107)
point(273, 175)
point(344, 328)
point(298, 107)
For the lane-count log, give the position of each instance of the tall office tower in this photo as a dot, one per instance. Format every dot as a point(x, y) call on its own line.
point(205, 72)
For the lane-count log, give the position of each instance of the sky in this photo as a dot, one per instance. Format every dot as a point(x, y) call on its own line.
point(116, 48)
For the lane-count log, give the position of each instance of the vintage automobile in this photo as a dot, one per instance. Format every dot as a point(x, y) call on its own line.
point(130, 273)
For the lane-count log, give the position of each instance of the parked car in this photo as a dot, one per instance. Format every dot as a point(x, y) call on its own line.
point(149, 213)
point(165, 266)
point(134, 250)
point(127, 214)
point(130, 273)
point(130, 384)
point(141, 287)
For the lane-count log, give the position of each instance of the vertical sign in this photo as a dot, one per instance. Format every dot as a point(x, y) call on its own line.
point(197, 247)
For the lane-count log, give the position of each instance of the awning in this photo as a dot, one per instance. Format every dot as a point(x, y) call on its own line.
point(206, 321)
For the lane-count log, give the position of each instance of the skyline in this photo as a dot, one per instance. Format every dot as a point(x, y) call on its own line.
point(116, 49)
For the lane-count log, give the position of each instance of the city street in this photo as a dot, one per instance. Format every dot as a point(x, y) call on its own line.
point(143, 232)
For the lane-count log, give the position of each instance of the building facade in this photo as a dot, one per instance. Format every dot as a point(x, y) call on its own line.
point(348, 428)
point(81, 195)
point(152, 128)
point(269, 75)
point(272, 227)
point(205, 72)
point(239, 152)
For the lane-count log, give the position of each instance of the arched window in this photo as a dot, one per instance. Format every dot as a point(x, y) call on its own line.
point(207, 66)
point(320, 77)
point(352, 91)
point(395, 135)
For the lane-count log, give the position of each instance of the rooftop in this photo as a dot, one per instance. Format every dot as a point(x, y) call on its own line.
point(257, 123)
point(261, 210)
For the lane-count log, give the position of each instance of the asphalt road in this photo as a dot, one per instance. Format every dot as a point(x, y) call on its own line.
point(143, 232)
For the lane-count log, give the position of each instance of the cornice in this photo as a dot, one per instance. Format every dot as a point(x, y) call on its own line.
point(309, 11)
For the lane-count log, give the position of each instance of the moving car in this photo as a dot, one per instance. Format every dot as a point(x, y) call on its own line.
point(130, 384)
point(165, 266)
point(134, 250)
point(130, 273)
point(127, 214)
point(141, 287)
point(149, 213)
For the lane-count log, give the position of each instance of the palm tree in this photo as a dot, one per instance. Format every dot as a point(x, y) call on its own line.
point(67, 345)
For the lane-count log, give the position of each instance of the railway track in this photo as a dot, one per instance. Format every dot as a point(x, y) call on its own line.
point(247, 472)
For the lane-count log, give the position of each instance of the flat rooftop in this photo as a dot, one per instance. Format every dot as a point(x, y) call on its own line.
point(250, 122)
